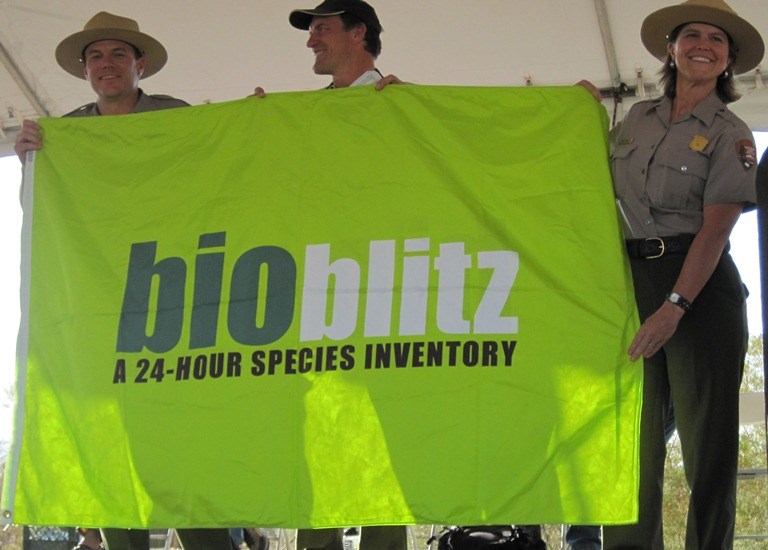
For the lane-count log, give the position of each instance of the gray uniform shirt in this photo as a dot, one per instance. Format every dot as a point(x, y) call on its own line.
point(145, 103)
point(665, 173)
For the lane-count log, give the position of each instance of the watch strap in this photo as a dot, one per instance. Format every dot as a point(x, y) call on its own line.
point(679, 301)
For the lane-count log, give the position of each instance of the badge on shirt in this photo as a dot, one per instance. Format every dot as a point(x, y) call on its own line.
point(626, 141)
point(747, 153)
point(698, 143)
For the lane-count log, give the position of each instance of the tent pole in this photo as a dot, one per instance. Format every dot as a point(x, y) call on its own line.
point(610, 50)
point(24, 86)
point(618, 87)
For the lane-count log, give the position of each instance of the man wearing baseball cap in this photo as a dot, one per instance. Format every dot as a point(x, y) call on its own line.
point(344, 35)
point(112, 54)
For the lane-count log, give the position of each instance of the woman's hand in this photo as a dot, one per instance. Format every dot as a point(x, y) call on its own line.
point(655, 331)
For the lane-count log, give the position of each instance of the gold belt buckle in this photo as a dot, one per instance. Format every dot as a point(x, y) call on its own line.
point(661, 245)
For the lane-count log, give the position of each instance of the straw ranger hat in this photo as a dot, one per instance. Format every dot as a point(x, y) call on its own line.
point(657, 27)
point(106, 26)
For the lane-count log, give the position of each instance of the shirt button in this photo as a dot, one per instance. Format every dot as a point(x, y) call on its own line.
point(683, 168)
point(647, 222)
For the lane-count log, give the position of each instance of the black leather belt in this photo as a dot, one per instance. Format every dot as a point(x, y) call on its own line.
point(656, 247)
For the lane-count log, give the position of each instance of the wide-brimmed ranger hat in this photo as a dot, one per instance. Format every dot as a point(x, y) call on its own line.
point(106, 26)
point(362, 10)
point(659, 25)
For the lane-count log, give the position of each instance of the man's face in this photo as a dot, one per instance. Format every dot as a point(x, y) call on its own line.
point(112, 68)
point(331, 44)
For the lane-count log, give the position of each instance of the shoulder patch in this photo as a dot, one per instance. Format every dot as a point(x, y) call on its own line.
point(747, 153)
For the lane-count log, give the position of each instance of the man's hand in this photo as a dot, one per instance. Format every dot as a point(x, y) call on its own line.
point(387, 80)
point(29, 139)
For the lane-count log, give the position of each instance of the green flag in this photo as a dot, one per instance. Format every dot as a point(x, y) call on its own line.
point(331, 308)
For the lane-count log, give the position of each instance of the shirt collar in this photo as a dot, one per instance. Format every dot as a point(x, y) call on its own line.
point(142, 98)
point(368, 77)
point(705, 111)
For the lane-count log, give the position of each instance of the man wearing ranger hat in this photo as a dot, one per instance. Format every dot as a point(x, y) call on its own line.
point(112, 54)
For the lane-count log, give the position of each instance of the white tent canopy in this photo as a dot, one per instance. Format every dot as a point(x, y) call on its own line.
point(220, 51)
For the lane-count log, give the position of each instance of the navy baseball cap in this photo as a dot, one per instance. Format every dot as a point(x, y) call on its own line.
point(357, 8)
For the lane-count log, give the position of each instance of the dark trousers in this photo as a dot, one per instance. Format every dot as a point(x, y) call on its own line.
point(387, 537)
point(583, 537)
point(191, 539)
point(699, 369)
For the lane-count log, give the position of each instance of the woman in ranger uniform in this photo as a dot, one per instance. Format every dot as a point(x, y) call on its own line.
point(683, 170)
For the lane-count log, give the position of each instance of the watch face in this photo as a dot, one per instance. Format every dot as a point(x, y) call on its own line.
point(679, 301)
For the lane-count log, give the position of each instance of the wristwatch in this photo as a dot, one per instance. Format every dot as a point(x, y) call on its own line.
point(679, 301)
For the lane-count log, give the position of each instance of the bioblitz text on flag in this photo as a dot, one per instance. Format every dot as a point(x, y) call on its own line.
point(328, 285)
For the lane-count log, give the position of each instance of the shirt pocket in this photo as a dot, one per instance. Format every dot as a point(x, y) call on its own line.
point(678, 180)
point(621, 158)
